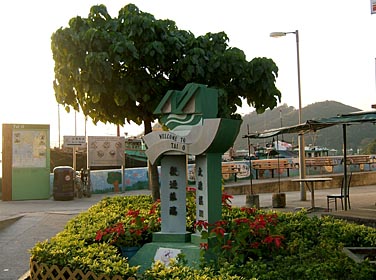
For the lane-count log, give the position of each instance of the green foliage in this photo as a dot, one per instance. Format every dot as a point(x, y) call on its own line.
point(119, 68)
point(179, 271)
point(191, 209)
point(67, 250)
point(311, 247)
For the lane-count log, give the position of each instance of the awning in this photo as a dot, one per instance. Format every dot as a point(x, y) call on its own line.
point(313, 125)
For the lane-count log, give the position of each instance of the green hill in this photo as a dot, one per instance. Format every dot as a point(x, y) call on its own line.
point(357, 135)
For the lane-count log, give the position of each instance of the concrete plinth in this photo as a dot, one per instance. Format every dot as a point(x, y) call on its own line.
point(171, 237)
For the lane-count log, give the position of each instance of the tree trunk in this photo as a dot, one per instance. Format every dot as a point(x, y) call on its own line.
point(154, 181)
point(152, 168)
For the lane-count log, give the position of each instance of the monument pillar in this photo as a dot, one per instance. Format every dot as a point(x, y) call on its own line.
point(208, 187)
point(173, 200)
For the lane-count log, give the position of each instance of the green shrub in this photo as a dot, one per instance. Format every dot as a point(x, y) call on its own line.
point(311, 246)
point(180, 271)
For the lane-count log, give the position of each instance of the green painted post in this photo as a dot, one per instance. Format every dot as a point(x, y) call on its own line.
point(209, 187)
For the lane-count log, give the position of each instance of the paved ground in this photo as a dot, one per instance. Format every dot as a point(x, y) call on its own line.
point(23, 223)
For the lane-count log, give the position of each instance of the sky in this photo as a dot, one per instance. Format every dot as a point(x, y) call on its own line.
point(337, 49)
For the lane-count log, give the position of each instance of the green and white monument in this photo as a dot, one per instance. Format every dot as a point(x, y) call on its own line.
point(195, 129)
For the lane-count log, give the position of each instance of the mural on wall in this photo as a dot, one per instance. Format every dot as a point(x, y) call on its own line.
point(104, 181)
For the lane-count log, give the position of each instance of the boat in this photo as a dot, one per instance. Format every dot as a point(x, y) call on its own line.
point(135, 152)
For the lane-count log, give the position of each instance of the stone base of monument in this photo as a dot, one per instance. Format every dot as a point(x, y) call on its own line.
point(171, 237)
point(167, 246)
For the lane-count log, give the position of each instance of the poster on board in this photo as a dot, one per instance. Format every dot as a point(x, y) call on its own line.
point(29, 148)
point(106, 150)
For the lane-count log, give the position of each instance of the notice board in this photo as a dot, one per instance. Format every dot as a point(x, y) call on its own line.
point(26, 161)
point(105, 150)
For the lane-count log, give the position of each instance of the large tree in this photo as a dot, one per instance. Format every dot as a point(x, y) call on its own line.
point(118, 69)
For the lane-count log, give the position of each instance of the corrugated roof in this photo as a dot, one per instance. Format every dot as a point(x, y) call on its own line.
point(313, 125)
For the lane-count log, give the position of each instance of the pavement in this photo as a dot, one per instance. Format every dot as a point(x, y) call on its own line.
point(24, 223)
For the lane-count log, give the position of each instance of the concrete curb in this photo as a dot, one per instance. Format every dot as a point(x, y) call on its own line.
point(8, 220)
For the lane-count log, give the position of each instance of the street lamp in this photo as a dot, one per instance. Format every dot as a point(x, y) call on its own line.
point(302, 170)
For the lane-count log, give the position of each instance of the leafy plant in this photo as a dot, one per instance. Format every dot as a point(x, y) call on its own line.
point(250, 236)
point(177, 270)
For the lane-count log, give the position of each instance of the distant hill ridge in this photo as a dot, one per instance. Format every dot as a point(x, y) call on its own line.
point(357, 135)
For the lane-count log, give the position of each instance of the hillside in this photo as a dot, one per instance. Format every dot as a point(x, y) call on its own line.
point(357, 135)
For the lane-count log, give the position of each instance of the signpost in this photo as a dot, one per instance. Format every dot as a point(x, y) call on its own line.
point(75, 142)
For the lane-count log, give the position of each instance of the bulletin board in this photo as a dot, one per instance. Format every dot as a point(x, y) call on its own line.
point(106, 151)
point(25, 161)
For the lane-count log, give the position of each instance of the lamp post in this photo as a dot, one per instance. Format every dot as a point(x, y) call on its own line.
point(302, 170)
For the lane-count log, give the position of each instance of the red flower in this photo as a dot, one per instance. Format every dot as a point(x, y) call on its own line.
point(99, 235)
point(220, 223)
point(248, 211)
point(278, 241)
point(191, 189)
point(258, 223)
point(272, 218)
point(200, 224)
point(119, 228)
point(241, 221)
point(227, 246)
point(255, 245)
point(153, 208)
point(226, 200)
point(204, 246)
point(269, 239)
point(133, 213)
point(219, 231)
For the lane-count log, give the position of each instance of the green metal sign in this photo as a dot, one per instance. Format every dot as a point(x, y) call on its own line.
point(26, 161)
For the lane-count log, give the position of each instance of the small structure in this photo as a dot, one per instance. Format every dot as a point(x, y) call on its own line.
point(195, 129)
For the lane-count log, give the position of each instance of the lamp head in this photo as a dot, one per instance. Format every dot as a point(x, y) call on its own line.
point(277, 34)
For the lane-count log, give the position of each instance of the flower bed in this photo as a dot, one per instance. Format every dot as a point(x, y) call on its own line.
point(250, 244)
